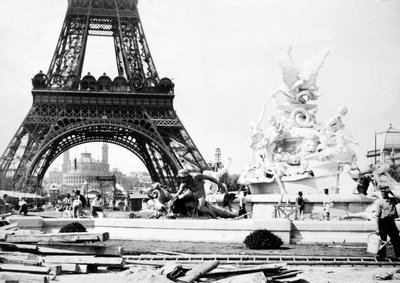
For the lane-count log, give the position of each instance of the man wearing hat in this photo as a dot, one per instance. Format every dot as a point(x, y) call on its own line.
point(385, 214)
point(193, 187)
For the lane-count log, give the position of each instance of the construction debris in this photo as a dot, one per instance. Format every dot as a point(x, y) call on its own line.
point(34, 256)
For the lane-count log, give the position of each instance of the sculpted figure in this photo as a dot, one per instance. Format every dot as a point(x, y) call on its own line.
point(382, 178)
point(212, 188)
point(257, 141)
point(301, 87)
point(333, 136)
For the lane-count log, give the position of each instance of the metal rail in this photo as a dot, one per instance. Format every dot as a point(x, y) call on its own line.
point(259, 259)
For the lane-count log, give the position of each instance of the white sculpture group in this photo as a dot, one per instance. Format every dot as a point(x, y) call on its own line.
point(295, 144)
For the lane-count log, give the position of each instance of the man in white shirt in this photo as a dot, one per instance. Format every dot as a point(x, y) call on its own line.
point(384, 216)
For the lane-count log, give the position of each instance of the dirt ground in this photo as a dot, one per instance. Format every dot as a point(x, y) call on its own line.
point(312, 274)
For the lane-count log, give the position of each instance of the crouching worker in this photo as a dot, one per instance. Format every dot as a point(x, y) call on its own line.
point(192, 188)
point(385, 214)
point(23, 207)
point(97, 204)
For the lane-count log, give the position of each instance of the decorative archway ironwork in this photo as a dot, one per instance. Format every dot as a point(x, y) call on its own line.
point(134, 110)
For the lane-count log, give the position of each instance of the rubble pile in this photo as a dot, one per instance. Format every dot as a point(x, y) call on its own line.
point(34, 256)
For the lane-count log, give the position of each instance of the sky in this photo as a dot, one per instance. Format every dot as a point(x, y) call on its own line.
point(223, 57)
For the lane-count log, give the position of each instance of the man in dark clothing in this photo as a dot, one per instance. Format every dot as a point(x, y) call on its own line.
point(300, 206)
point(78, 203)
point(192, 187)
point(23, 207)
point(385, 214)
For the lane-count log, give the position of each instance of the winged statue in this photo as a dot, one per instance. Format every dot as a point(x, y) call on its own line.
point(301, 85)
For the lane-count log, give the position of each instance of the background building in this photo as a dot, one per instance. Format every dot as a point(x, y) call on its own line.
point(81, 172)
point(385, 148)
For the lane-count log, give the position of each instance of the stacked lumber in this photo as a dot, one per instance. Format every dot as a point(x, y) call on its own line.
point(213, 271)
point(34, 256)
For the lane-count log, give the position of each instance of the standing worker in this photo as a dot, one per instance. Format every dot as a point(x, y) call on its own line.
point(385, 214)
point(126, 204)
point(96, 205)
point(78, 204)
point(242, 202)
point(327, 204)
point(300, 205)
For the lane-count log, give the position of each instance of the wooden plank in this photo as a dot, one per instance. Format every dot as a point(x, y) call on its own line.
point(58, 237)
point(257, 277)
point(60, 249)
point(18, 247)
point(77, 248)
point(244, 270)
point(169, 253)
point(197, 272)
point(27, 232)
point(100, 261)
point(20, 255)
point(20, 258)
point(5, 215)
point(25, 277)
point(285, 275)
point(27, 222)
point(45, 250)
point(11, 226)
point(24, 268)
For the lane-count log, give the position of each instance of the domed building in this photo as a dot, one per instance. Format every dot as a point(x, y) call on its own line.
point(385, 146)
point(85, 168)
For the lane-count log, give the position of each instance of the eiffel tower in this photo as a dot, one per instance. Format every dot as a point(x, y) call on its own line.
point(134, 110)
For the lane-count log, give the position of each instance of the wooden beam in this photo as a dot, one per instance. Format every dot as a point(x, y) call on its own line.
point(197, 272)
point(77, 248)
point(244, 270)
point(4, 215)
point(63, 248)
point(24, 268)
point(257, 277)
point(18, 247)
point(24, 277)
point(58, 237)
point(99, 261)
point(11, 226)
point(20, 258)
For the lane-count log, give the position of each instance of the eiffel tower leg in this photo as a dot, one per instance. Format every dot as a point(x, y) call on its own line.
point(135, 110)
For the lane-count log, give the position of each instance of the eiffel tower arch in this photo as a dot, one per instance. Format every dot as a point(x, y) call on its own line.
point(133, 110)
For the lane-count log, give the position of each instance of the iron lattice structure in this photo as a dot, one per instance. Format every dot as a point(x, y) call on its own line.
point(134, 110)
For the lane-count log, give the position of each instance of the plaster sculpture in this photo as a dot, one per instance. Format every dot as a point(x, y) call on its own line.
point(296, 151)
